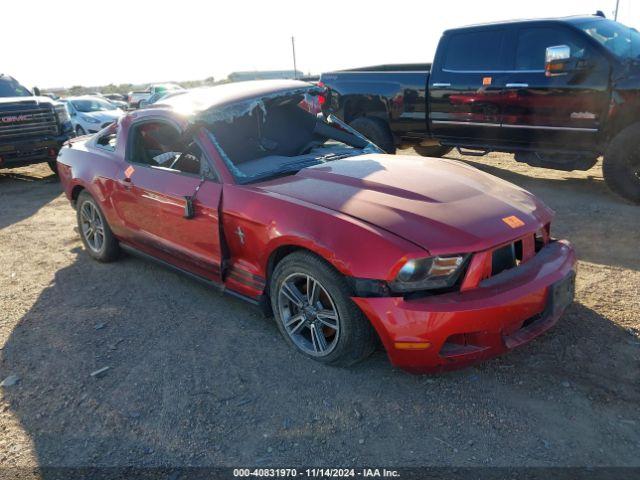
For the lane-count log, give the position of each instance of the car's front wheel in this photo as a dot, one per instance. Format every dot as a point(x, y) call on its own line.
point(94, 229)
point(314, 313)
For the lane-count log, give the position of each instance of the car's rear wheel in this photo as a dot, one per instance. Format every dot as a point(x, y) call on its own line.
point(621, 164)
point(432, 151)
point(94, 230)
point(314, 313)
point(376, 130)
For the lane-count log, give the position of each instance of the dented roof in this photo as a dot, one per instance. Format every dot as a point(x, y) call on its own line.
point(231, 100)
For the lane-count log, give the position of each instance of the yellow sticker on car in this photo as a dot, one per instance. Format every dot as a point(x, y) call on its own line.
point(513, 221)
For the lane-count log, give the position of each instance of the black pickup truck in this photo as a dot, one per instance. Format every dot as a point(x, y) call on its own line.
point(32, 128)
point(558, 93)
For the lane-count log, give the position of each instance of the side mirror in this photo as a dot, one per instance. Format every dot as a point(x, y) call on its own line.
point(556, 61)
point(36, 91)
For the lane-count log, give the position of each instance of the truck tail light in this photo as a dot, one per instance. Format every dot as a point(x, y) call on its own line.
point(322, 98)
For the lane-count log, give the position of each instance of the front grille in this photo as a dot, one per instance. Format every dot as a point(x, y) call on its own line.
point(19, 121)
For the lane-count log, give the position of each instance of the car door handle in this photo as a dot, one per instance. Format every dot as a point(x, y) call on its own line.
point(441, 84)
point(517, 85)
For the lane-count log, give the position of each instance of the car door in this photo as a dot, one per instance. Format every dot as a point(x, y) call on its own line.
point(563, 110)
point(162, 170)
point(466, 84)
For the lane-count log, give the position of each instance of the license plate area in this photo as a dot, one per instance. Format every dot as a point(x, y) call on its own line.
point(562, 293)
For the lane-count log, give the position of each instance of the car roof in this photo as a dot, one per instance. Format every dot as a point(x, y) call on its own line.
point(571, 20)
point(221, 97)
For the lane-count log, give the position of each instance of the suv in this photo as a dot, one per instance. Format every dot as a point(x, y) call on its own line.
point(32, 127)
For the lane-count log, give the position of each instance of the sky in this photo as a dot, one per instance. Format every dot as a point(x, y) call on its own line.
point(61, 43)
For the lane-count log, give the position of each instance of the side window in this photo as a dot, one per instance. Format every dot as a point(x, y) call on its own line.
point(533, 43)
point(480, 50)
point(160, 145)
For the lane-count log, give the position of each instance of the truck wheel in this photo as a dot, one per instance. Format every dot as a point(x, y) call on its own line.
point(53, 165)
point(432, 151)
point(94, 229)
point(376, 130)
point(314, 313)
point(621, 164)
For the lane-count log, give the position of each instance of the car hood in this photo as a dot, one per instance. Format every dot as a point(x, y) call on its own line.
point(443, 206)
point(103, 115)
point(35, 101)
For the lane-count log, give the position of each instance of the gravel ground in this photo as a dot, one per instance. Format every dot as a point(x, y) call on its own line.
point(195, 378)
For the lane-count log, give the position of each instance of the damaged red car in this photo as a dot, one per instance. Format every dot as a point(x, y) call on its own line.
point(242, 188)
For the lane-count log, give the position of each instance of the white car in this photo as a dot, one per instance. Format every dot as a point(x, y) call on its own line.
point(91, 114)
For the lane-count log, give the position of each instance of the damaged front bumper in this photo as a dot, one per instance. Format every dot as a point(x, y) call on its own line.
point(453, 330)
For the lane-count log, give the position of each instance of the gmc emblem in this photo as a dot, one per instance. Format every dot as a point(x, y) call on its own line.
point(15, 118)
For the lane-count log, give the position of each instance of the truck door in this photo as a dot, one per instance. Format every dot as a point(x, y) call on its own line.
point(564, 110)
point(465, 86)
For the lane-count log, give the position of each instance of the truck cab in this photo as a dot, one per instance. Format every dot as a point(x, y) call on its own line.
point(558, 93)
point(32, 128)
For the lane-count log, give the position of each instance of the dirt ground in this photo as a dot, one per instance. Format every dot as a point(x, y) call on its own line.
point(196, 378)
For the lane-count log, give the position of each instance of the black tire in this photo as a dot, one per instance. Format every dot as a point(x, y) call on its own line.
point(432, 151)
point(53, 165)
point(80, 131)
point(108, 249)
point(376, 130)
point(355, 338)
point(621, 164)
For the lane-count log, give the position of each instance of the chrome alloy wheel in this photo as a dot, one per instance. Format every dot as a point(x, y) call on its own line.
point(309, 314)
point(92, 226)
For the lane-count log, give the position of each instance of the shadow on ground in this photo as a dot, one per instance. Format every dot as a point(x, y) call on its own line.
point(14, 204)
point(196, 378)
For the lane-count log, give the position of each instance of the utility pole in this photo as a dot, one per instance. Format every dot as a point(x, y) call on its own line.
point(293, 48)
point(615, 15)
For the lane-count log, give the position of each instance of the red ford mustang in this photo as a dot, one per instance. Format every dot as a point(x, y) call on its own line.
point(239, 186)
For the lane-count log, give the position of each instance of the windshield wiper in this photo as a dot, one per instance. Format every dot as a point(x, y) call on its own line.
point(288, 169)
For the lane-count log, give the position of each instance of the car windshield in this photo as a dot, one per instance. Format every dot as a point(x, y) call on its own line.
point(92, 105)
point(11, 88)
point(278, 138)
point(622, 41)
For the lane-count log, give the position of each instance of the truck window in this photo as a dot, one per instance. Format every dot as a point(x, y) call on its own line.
point(533, 43)
point(480, 51)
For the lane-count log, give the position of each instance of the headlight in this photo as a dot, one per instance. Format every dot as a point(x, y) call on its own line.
point(428, 273)
point(90, 119)
point(63, 113)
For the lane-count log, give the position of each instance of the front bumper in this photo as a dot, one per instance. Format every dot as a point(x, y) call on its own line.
point(32, 150)
point(453, 330)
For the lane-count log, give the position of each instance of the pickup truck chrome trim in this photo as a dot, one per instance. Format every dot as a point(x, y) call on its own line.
point(452, 122)
point(492, 71)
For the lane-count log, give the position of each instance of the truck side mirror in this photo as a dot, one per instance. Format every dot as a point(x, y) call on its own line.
point(556, 61)
point(36, 91)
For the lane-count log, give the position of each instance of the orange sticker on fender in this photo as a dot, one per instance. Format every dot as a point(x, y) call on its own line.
point(129, 171)
point(486, 81)
point(513, 221)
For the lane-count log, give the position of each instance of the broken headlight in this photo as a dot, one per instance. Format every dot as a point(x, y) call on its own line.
point(63, 113)
point(428, 273)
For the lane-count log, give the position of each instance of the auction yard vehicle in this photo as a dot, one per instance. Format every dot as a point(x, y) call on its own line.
point(135, 98)
point(558, 93)
point(239, 186)
point(91, 114)
point(32, 128)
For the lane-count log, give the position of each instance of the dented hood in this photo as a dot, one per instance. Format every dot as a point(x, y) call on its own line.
point(443, 206)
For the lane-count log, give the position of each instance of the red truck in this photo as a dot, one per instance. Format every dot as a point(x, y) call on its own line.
point(558, 93)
